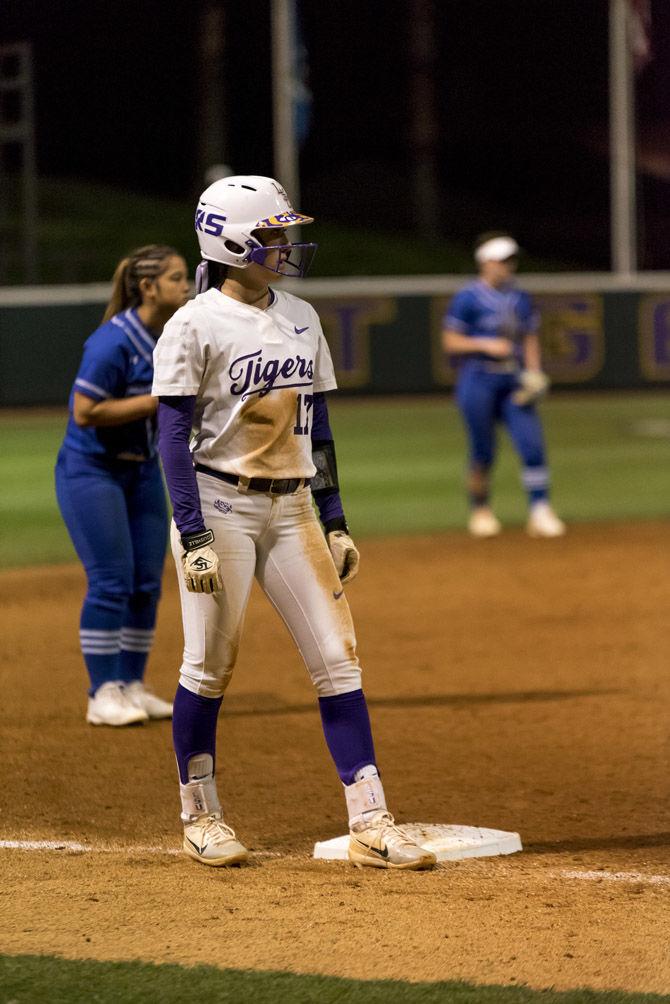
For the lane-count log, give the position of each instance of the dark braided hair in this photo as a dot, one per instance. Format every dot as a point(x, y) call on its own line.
point(144, 263)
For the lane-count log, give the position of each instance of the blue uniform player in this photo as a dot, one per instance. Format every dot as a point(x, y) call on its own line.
point(491, 327)
point(110, 489)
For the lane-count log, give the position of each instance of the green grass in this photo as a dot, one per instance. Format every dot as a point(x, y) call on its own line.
point(85, 228)
point(34, 978)
point(401, 464)
point(31, 529)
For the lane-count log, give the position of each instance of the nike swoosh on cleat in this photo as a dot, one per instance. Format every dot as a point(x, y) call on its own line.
point(375, 850)
point(336, 596)
point(299, 331)
point(200, 850)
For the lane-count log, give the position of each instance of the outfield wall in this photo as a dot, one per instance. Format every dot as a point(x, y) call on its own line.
point(598, 331)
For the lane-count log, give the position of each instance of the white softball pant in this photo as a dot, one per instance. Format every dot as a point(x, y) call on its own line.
point(278, 540)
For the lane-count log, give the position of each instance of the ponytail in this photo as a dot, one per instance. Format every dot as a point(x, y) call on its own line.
point(117, 302)
point(144, 263)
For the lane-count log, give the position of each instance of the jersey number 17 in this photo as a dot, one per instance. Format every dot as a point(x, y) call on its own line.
point(306, 401)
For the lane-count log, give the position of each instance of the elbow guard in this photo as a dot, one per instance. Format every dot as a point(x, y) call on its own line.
point(325, 487)
point(323, 456)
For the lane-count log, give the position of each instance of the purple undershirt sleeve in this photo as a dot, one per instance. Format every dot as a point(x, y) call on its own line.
point(328, 500)
point(329, 506)
point(175, 419)
point(320, 423)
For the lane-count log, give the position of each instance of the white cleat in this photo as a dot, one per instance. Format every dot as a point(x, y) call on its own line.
point(110, 705)
point(212, 842)
point(379, 843)
point(142, 698)
point(483, 523)
point(543, 522)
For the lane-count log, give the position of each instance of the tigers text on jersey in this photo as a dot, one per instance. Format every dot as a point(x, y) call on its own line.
point(117, 363)
point(254, 373)
point(481, 311)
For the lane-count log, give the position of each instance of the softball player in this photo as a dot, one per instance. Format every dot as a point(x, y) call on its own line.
point(245, 369)
point(110, 489)
point(491, 327)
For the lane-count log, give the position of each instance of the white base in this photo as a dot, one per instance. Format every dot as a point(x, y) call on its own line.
point(448, 843)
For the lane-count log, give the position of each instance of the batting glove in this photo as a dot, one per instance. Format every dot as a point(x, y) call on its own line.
point(345, 554)
point(533, 384)
point(200, 563)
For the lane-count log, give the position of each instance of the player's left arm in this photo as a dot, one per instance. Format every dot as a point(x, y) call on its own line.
point(533, 382)
point(529, 322)
point(532, 353)
point(326, 492)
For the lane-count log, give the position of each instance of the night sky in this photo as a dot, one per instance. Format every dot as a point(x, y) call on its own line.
point(520, 92)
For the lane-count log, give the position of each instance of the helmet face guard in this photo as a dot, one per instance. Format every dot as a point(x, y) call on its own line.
point(292, 260)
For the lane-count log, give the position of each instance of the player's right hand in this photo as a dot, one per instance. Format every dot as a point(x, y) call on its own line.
point(201, 563)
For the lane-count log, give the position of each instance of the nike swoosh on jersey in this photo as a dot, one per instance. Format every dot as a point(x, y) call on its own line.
point(299, 331)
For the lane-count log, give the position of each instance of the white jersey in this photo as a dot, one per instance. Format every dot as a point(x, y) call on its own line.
point(254, 373)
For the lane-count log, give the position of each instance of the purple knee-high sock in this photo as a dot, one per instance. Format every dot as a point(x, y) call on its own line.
point(346, 726)
point(193, 727)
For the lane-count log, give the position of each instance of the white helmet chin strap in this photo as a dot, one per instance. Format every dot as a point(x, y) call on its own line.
point(202, 277)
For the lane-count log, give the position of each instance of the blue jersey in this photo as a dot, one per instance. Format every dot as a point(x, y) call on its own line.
point(480, 311)
point(117, 363)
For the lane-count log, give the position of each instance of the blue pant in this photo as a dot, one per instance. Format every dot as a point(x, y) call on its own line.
point(484, 399)
point(116, 514)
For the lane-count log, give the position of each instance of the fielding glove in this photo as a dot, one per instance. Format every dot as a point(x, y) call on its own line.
point(533, 384)
point(200, 563)
point(344, 553)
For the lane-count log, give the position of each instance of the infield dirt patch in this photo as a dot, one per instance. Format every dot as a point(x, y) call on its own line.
point(522, 685)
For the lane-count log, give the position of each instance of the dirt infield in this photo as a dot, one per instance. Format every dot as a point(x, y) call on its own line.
point(514, 684)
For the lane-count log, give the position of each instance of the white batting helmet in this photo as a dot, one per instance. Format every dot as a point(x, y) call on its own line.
point(229, 212)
